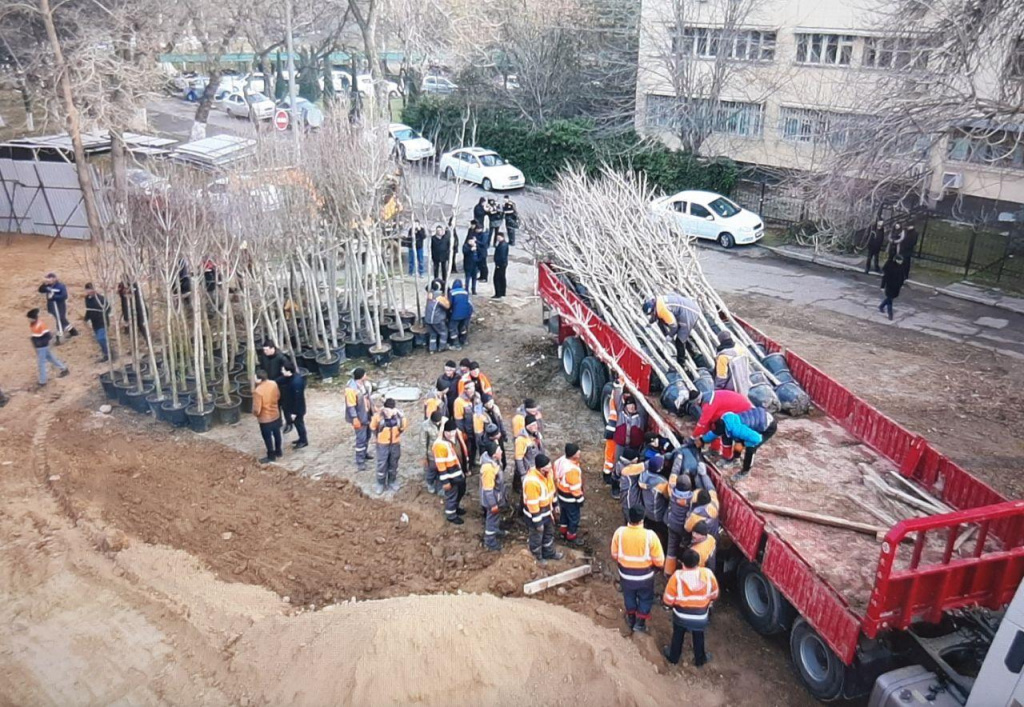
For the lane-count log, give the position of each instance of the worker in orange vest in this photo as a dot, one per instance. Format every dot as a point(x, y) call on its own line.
point(358, 411)
point(704, 544)
point(569, 489)
point(481, 381)
point(679, 505)
point(492, 493)
point(638, 552)
point(463, 416)
point(611, 450)
point(690, 592)
point(539, 509)
point(527, 409)
point(438, 400)
point(450, 472)
point(389, 423)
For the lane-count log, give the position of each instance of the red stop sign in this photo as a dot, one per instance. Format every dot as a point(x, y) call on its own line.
point(281, 119)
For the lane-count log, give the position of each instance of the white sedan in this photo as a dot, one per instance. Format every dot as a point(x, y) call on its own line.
point(409, 144)
point(255, 105)
point(480, 166)
point(710, 216)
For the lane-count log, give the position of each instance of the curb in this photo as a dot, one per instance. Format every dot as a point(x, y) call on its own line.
point(837, 265)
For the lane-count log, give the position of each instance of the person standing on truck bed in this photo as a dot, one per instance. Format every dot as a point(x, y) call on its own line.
point(638, 552)
point(690, 592)
point(747, 430)
point(676, 315)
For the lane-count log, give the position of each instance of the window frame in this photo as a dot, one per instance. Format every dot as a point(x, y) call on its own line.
point(816, 48)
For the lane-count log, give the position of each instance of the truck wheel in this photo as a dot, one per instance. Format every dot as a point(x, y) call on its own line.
point(593, 378)
point(818, 668)
point(606, 400)
point(766, 610)
point(573, 353)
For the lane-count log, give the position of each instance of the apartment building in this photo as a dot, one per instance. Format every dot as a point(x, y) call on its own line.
point(793, 79)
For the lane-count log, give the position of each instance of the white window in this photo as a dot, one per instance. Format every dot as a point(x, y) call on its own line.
point(728, 117)
point(900, 53)
point(734, 44)
point(824, 127)
point(824, 49)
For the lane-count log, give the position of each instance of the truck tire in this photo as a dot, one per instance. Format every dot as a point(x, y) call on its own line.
point(593, 378)
point(818, 668)
point(606, 400)
point(765, 609)
point(573, 353)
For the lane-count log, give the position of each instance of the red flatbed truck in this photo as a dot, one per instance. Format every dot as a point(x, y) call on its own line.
point(838, 650)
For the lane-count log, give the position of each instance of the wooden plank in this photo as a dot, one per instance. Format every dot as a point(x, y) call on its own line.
point(540, 585)
point(821, 519)
point(877, 513)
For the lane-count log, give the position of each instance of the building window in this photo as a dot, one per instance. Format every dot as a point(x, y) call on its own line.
point(737, 45)
point(900, 53)
point(993, 148)
point(824, 127)
point(728, 117)
point(824, 49)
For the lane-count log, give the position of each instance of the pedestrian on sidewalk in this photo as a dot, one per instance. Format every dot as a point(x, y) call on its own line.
point(480, 213)
point(638, 552)
point(495, 217)
point(266, 399)
point(907, 249)
point(358, 411)
point(389, 423)
point(500, 266)
point(41, 338)
point(57, 304)
point(690, 592)
point(892, 282)
point(97, 313)
point(876, 241)
point(293, 402)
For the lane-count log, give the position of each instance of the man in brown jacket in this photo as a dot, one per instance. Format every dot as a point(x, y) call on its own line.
point(265, 406)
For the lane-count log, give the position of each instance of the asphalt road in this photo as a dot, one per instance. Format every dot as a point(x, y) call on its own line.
point(746, 270)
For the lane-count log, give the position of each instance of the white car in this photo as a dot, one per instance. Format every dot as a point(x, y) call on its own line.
point(343, 84)
point(409, 144)
point(439, 85)
point(309, 114)
point(480, 166)
point(255, 104)
point(711, 216)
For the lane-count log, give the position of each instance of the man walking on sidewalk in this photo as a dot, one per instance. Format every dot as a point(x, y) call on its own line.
point(358, 410)
point(266, 398)
point(41, 341)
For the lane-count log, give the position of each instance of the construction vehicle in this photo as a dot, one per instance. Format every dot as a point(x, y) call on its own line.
point(926, 576)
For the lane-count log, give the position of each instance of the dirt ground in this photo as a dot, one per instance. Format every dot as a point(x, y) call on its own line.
point(152, 566)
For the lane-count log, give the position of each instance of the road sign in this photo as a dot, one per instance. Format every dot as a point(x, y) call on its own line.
point(281, 119)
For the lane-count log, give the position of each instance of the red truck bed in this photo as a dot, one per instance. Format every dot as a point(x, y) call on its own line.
point(913, 581)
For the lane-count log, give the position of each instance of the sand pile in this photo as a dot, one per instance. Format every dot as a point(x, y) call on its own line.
point(444, 650)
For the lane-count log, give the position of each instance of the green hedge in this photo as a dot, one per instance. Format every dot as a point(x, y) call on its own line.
point(542, 153)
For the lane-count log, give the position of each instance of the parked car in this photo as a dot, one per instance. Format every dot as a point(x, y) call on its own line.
point(439, 85)
point(343, 84)
point(409, 144)
point(480, 166)
point(710, 216)
point(255, 105)
point(309, 114)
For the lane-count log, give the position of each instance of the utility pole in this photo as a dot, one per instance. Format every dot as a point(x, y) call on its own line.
point(293, 96)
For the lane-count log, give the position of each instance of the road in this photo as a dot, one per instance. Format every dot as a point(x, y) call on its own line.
point(744, 270)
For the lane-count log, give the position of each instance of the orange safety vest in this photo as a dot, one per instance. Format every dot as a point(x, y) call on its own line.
point(459, 410)
point(482, 383)
point(637, 551)
point(447, 462)
point(568, 480)
point(690, 592)
point(431, 406)
point(538, 495)
point(706, 549)
point(389, 431)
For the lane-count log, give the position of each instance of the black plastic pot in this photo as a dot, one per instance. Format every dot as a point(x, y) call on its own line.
point(175, 414)
point(329, 365)
point(230, 413)
point(245, 396)
point(401, 345)
point(107, 381)
point(356, 349)
point(200, 421)
point(419, 335)
point(307, 359)
point(776, 363)
point(155, 403)
point(407, 318)
point(241, 378)
point(123, 387)
point(137, 399)
point(380, 355)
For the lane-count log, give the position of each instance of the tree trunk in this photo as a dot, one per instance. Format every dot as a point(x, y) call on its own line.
point(205, 104)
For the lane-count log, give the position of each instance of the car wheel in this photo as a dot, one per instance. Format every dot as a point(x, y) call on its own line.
point(726, 240)
point(486, 184)
point(449, 174)
point(818, 668)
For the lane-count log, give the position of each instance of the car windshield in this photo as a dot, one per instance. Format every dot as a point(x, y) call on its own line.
point(406, 134)
point(257, 98)
point(723, 207)
point(491, 160)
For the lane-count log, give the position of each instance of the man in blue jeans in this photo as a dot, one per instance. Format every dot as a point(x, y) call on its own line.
point(97, 313)
point(413, 241)
point(41, 341)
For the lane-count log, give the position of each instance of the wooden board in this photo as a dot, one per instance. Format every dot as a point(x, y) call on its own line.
point(540, 585)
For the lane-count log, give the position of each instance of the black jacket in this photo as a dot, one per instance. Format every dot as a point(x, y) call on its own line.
point(441, 246)
point(273, 364)
point(97, 311)
point(293, 394)
point(892, 278)
point(909, 244)
point(511, 215)
point(453, 390)
point(501, 254)
point(421, 236)
point(876, 239)
point(479, 212)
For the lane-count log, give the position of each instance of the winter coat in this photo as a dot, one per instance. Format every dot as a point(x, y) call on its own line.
point(441, 247)
point(421, 236)
point(462, 308)
point(876, 239)
point(501, 255)
point(273, 364)
point(293, 394)
point(55, 293)
point(511, 215)
point(479, 213)
point(97, 311)
point(483, 240)
point(892, 278)
point(722, 401)
point(436, 311)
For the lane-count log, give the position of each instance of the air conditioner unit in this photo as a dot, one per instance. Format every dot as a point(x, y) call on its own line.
point(952, 181)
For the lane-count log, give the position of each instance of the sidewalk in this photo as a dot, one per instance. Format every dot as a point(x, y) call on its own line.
point(964, 290)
